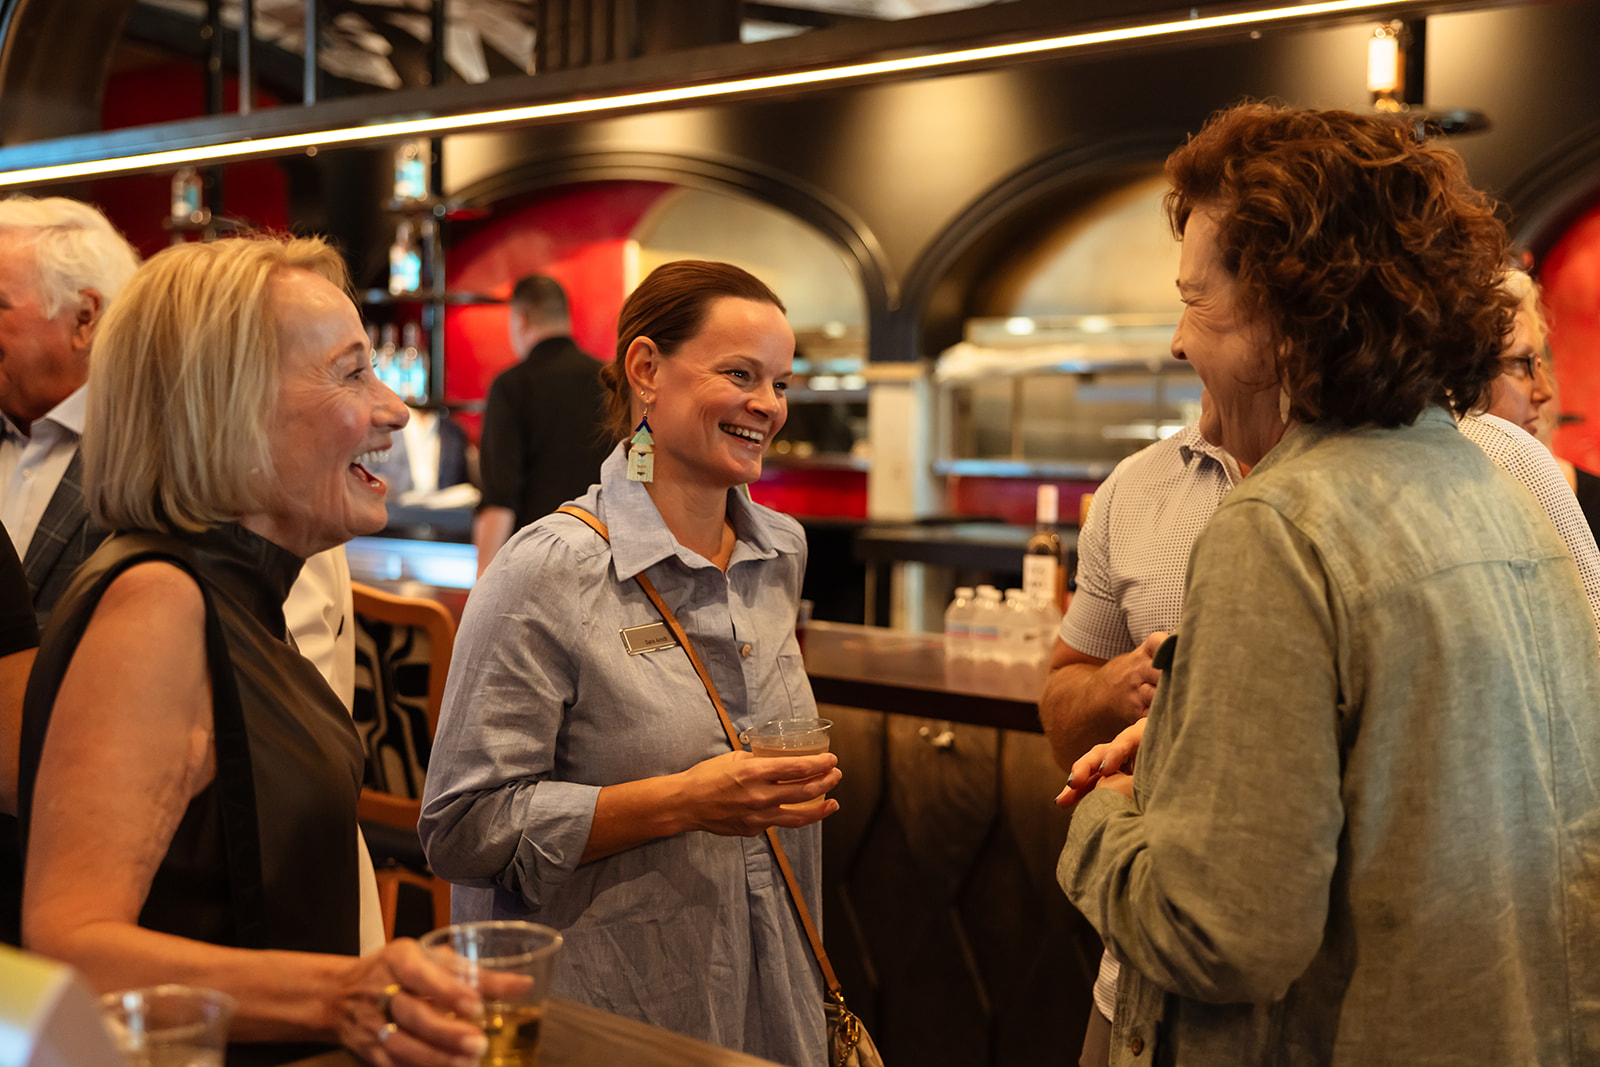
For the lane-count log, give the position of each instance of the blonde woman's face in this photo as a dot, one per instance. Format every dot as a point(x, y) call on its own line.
point(331, 421)
point(1524, 386)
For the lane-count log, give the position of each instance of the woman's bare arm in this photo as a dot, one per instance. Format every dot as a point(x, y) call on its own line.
point(129, 746)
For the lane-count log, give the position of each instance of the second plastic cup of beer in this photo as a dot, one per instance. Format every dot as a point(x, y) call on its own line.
point(169, 1025)
point(790, 737)
point(508, 963)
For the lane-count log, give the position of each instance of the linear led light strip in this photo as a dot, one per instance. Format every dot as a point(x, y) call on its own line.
point(268, 146)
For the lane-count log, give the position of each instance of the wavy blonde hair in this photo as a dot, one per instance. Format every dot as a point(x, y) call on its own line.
point(183, 382)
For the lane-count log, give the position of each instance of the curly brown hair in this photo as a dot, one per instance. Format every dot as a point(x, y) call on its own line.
point(670, 307)
point(1371, 260)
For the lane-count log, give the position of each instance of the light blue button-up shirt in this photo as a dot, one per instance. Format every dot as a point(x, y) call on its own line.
point(545, 705)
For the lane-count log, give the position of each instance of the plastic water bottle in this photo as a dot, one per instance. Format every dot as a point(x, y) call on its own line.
point(1019, 632)
point(1048, 621)
point(986, 616)
point(958, 626)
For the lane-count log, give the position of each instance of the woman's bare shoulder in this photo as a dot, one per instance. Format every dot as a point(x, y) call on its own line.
point(159, 593)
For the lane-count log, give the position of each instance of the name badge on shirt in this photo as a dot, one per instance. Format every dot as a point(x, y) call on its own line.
point(650, 637)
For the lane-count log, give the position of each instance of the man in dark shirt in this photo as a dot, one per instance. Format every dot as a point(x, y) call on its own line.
point(543, 437)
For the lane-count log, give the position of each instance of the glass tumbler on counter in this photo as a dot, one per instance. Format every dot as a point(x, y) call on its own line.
point(790, 737)
point(508, 963)
point(169, 1025)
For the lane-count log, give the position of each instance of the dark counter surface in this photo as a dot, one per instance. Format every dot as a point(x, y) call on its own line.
point(994, 546)
point(905, 672)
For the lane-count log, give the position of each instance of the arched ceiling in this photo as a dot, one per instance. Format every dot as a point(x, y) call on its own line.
point(48, 89)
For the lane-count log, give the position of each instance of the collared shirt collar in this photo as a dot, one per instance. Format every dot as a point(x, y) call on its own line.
point(69, 415)
point(1303, 438)
point(71, 412)
point(549, 346)
point(1192, 445)
point(640, 539)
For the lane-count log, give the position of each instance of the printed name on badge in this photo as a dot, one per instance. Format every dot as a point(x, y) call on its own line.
point(650, 637)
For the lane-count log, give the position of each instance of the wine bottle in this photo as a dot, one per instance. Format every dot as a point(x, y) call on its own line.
point(405, 260)
point(1041, 558)
point(411, 170)
point(186, 195)
point(413, 376)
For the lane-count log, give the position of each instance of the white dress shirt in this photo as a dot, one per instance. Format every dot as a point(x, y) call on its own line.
point(320, 616)
point(31, 464)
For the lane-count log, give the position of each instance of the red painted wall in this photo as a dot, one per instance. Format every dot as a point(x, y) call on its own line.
point(1571, 281)
point(822, 493)
point(576, 235)
point(256, 191)
point(1012, 500)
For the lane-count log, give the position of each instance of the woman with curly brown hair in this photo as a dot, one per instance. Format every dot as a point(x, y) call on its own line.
point(1362, 828)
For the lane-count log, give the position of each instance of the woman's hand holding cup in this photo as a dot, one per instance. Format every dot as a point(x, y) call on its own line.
point(398, 1007)
point(738, 794)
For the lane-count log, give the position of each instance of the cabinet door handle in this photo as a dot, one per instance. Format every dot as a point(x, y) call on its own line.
point(943, 739)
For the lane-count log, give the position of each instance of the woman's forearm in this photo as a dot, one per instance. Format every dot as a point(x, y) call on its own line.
point(282, 996)
point(734, 794)
point(632, 813)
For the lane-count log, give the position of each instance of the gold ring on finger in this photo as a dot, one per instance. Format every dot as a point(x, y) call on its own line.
point(386, 1001)
point(386, 1031)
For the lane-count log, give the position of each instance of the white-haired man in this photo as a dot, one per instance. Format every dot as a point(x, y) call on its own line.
point(61, 265)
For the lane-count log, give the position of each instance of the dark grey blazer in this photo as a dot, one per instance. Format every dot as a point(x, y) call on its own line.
point(64, 539)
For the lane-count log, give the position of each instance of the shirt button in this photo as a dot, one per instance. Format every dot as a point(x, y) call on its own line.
point(745, 650)
point(27, 472)
point(1136, 1046)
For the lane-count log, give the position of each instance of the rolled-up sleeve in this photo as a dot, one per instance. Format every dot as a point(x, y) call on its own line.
point(1095, 623)
point(1214, 881)
point(492, 814)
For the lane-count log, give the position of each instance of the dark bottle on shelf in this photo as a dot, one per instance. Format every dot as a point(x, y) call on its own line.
point(1042, 572)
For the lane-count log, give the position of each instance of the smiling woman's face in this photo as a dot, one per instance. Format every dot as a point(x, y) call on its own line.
point(719, 399)
point(331, 414)
point(1229, 353)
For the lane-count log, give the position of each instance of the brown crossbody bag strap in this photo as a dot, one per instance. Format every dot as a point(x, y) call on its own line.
point(671, 620)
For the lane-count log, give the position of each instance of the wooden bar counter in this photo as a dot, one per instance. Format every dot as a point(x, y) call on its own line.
point(576, 1035)
point(940, 905)
point(905, 673)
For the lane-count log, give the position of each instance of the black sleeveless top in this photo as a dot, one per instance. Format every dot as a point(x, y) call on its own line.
point(265, 855)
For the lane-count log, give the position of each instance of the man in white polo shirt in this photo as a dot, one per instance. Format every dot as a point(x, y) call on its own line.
point(1133, 552)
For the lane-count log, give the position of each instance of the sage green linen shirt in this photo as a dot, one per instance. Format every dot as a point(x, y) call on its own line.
point(1366, 816)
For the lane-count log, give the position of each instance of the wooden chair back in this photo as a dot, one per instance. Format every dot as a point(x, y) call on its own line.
point(400, 640)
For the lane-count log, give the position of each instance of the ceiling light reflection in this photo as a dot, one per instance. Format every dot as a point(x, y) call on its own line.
point(232, 150)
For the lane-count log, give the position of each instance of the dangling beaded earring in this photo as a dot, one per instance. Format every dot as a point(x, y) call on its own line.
point(642, 450)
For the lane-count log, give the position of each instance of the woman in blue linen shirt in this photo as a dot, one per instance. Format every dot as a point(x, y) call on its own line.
point(591, 789)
